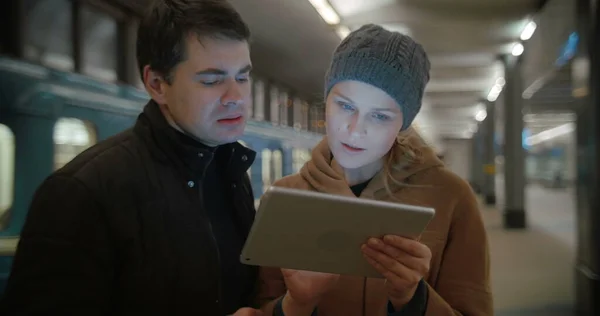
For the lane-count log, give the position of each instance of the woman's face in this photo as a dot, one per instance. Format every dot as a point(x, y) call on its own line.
point(362, 123)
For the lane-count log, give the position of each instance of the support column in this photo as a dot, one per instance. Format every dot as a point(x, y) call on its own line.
point(127, 67)
point(476, 161)
point(489, 156)
point(586, 84)
point(514, 154)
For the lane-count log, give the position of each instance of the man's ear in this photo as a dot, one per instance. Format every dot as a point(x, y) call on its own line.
point(155, 85)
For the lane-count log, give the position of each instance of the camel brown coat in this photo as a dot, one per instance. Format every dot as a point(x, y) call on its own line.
point(458, 280)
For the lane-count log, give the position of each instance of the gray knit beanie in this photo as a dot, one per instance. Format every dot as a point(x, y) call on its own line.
point(391, 61)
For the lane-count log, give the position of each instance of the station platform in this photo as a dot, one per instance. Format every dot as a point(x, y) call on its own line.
point(533, 269)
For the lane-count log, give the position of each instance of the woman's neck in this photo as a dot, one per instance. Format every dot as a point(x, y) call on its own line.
point(364, 173)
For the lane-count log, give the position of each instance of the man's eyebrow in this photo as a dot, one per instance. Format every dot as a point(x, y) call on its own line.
point(211, 71)
point(221, 72)
point(245, 69)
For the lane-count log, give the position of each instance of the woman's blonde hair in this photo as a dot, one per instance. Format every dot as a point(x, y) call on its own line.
point(402, 155)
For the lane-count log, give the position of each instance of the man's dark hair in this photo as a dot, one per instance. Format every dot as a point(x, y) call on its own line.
point(163, 31)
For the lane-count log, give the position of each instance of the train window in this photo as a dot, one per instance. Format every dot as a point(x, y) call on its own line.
point(259, 100)
point(71, 137)
point(317, 117)
point(305, 118)
point(48, 38)
point(297, 116)
point(277, 165)
point(7, 172)
point(274, 106)
point(299, 157)
point(283, 108)
point(99, 36)
point(266, 169)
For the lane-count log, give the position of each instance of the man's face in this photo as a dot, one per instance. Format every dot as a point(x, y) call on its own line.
point(210, 94)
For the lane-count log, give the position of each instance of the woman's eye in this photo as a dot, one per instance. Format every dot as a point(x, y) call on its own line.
point(345, 106)
point(381, 117)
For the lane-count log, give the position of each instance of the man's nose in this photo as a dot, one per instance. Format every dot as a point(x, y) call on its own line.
point(233, 94)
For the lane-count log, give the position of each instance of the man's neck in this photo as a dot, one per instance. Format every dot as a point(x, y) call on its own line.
point(169, 118)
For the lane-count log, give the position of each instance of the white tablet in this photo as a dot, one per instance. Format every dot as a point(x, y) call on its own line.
point(312, 231)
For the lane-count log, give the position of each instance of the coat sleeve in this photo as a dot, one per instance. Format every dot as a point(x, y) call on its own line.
point(463, 287)
point(64, 263)
point(271, 287)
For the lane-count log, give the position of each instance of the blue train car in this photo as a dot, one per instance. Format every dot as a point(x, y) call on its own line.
point(47, 117)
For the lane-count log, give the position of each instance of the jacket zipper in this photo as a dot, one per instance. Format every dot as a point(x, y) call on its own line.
point(212, 236)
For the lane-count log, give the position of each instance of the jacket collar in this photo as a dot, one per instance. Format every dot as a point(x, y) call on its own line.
point(324, 173)
point(170, 146)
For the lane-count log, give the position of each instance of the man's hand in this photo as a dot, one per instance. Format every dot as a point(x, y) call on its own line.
point(306, 288)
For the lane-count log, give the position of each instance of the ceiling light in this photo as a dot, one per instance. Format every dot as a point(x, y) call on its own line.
point(500, 81)
point(550, 134)
point(518, 49)
point(492, 96)
point(496, 89)
point(326, 11)
point(481, 115)
point(342, 31)
point(528, 31)
point(494, 93)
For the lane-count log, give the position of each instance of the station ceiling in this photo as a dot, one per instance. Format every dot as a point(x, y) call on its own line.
point(292, 44)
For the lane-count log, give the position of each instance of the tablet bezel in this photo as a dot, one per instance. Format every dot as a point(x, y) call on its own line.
point(330, 245)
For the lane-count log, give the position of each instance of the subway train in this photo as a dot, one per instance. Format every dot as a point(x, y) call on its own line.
point(47, 117)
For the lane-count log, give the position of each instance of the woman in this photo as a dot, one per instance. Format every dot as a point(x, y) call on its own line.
point(374, 90)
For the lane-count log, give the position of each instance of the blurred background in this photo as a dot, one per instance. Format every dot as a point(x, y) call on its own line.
point(512, 107)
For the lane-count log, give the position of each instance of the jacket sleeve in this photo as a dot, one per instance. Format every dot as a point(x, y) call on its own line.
point(463, 287)
point(64, 263)
point(416, 306)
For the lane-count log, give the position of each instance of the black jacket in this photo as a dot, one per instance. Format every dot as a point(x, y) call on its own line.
point(121, 230)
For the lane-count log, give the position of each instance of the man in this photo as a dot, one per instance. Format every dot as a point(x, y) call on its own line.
point(152, 221)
